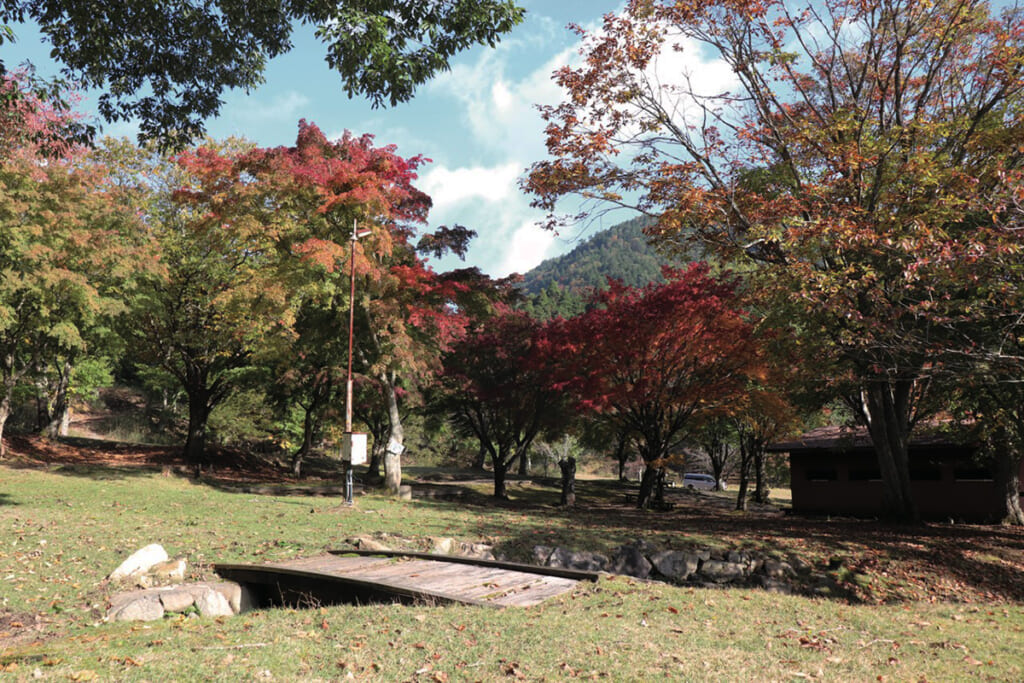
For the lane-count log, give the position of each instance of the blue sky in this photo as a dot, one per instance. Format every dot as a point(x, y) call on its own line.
point(476, 123)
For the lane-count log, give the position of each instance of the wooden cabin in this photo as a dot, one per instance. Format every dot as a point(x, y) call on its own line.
point(834, 471)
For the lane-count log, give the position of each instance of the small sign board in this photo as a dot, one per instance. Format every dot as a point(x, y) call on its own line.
point(395, 448)
point(353, 448)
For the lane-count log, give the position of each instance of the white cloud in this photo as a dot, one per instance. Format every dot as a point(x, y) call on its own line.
point(448, 187)
point(286, 106)
point(487, 200)
point(682, 72)
point(500, 110)
point(527, 247)
point(496, 99)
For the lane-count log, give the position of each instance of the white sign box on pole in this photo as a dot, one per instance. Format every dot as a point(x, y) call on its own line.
point(353, 448)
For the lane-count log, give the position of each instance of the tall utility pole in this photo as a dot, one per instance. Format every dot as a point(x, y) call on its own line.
point(353, 448)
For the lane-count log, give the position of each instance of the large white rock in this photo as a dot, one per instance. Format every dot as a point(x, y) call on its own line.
point(211, 603)
point(140, 561)
point(177, 600)
point(141, 609)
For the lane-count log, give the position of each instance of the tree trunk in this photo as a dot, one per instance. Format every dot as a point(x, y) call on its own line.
point(376, 460)
point(10, 379)
point(886, 409)
point(42, 406)
point(761, 491)
point(524, 463)
point(195, 444)
point(746, 457)
point(568, 468)
point(481, 458)
point(308, 428)
point(717, 450)
point(65, 422)
point(396, 440)
point(1007, 466)
point(500, 470)
point(60, 414)
point(621, 455)
point(5, 412)
point(647, 482)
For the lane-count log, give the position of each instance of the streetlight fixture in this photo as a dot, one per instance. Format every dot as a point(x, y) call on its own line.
point(353, 444)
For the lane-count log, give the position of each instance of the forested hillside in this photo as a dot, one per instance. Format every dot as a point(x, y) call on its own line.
point(559, 286)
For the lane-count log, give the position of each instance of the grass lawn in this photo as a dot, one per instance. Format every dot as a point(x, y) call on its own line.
point(932, 602)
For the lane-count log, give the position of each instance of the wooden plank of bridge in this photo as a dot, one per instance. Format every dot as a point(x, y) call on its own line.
point(413, 575)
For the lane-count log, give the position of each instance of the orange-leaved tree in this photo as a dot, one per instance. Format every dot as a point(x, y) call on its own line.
point(855, 156)
point(405, 313)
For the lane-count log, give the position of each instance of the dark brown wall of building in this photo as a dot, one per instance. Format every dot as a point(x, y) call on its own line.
point(945, 484)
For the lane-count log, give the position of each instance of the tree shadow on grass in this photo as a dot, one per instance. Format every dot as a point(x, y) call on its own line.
point(107, 460)
point(6, 499)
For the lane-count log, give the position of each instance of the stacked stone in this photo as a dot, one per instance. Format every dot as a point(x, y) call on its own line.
point(159, 590)
point(701, 566)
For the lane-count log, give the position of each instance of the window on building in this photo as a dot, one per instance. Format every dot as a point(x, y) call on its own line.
point(925, 472)
point(822, 474)
point(972, 473)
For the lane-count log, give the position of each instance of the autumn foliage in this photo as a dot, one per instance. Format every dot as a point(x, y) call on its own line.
point(651, 361)
point(498, 387)
point(862, 159)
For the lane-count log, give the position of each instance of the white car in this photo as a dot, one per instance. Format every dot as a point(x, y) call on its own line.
point(692, 480)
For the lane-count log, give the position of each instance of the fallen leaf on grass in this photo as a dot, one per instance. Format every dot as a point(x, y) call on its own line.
point(814, 644)
point(126, 661)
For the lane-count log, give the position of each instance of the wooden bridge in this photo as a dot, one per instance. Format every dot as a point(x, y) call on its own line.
point(344, 576)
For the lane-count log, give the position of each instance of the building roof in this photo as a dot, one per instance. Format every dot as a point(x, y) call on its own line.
point(843, 438)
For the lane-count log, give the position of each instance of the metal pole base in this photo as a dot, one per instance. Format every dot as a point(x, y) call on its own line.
point(348, 483)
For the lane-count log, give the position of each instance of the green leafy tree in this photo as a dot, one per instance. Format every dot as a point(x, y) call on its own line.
point(855, 156)
point(169, 63)
point(64, 256)
point(223, 292)
point(309, 373)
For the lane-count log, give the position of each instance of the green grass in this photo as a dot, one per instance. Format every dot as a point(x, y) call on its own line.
point(63, 531)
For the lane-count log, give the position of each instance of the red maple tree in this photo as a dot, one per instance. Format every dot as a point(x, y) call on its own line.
point(650, 360)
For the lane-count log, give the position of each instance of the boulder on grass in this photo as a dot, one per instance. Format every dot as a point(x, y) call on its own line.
point(584, 561)
point(367, 543)
point(722, 572)
point(541, 554)
point(176, 599)
point(171, 570)
point(630, 561)
point(212, 603)
point(675, 564)
point(140, 562)
point(141, 608)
